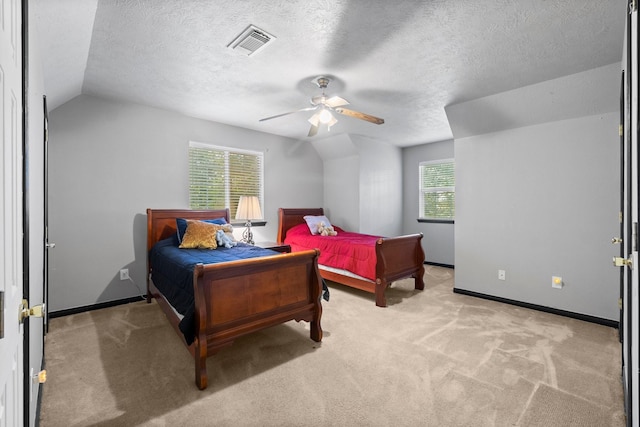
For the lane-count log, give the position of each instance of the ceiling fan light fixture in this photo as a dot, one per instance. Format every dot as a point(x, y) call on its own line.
point(326, 117)
point(315, 119)
point(332, 122)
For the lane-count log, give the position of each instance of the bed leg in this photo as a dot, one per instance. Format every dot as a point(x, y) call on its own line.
point(200, 359)
point(420, 279)
point(381, 286)
point(316, 329)
point(201, 372)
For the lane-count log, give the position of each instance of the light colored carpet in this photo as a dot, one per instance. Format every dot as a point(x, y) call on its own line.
point(432, 358)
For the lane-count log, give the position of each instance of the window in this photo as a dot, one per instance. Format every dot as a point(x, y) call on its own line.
point(218, 176)
point(437, 190)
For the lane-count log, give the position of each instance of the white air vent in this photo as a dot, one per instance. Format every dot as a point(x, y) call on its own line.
point(251, 40)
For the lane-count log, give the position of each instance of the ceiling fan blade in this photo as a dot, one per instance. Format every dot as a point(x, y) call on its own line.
point(359, 115)
point(313, 130)
point(336, 101)
point(286, 114)
point(332, 122)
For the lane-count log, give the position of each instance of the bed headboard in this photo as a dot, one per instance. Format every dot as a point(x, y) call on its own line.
point(161, 223)
point(290, 217)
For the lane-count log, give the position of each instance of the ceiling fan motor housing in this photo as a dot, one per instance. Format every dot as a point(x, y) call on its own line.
point(322, 82)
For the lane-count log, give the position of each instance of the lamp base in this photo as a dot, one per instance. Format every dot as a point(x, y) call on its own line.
point(247, 235)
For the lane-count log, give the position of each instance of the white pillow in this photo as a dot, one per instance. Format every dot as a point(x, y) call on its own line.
point(314, 221)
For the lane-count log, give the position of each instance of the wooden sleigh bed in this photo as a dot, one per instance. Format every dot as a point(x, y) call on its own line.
point(236, 298)
point(396, 257)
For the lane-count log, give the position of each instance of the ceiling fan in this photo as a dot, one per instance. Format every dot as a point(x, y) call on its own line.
point(324, 106)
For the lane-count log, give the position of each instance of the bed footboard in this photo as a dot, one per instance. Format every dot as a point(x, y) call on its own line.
point(398, 258)
point(236, 298)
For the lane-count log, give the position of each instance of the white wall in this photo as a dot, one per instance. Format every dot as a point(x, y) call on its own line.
point(438, 240)
point(363, 184)
point(380, 187)
point(539, 201)
point(111, 161)
point(342, 192)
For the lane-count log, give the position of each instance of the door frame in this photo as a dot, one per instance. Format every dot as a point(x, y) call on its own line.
point(26, 354)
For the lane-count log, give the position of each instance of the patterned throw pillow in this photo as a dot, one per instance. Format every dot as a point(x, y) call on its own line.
point(200, 235)
point(181, 225)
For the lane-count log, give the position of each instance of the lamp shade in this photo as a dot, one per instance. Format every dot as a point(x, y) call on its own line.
point(249, 208)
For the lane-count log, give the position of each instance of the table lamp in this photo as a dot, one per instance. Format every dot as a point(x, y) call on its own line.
point(248, 209)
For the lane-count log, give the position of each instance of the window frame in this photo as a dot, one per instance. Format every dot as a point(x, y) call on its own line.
point(422, 190)
point(228, 176)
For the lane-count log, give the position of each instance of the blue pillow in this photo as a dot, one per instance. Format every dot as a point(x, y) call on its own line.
point(181, 225)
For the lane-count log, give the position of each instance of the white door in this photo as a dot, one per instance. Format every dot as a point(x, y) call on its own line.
point(630, 301)
point(632, 292)
point(11, 112)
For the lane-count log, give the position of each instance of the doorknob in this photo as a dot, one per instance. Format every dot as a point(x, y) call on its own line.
point(616, 240)
point(621, 262)
point(25, 311)
point(50, 245)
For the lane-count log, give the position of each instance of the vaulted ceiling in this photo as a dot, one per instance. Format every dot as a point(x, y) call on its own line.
point(403, 61)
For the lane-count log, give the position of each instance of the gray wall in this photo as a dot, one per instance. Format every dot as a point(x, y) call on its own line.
point(540, 201)
point(109, 162)
point(438, 240)
point(538, 192)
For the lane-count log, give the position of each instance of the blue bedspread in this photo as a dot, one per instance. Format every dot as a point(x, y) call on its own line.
point(172, 273)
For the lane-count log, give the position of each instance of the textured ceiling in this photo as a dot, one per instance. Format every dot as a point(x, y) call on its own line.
point(403, 61)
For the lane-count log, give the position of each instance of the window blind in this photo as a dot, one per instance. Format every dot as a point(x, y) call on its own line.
point(218, 176)
point(437, 190)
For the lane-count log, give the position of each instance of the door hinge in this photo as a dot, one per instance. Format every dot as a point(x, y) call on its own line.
point(620, 303)
point(621, 262)
point(1, 314)
point(620, 130)
point(25, 311)
point(633, 6)
point(40, 377)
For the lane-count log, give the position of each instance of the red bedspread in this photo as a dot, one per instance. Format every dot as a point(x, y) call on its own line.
point(354, 252)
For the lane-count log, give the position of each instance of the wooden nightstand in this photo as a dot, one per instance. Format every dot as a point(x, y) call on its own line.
point(284, 248)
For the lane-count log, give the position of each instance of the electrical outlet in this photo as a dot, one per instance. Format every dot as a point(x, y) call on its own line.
point(502, 275)
point(124, 274)
point(556, 282)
